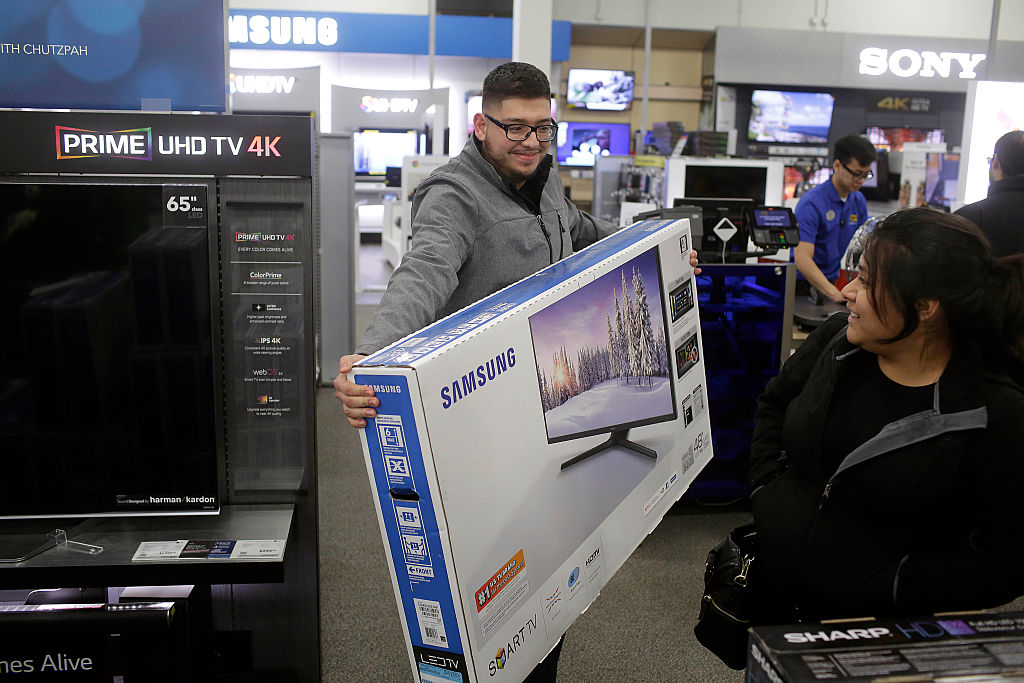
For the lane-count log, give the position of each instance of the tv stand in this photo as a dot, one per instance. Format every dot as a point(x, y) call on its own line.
point(616, 438)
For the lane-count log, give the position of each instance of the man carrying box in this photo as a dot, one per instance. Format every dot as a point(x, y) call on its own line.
point(490, 217)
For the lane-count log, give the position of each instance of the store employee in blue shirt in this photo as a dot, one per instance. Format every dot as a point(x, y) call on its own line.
point(829, 214)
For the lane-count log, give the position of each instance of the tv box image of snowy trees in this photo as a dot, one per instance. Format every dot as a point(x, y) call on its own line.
point(602, 357)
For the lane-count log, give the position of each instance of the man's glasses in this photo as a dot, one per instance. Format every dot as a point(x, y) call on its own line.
point(517, 132)
point(866, 175)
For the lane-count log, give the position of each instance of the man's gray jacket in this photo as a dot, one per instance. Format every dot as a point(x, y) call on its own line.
point(473, 234)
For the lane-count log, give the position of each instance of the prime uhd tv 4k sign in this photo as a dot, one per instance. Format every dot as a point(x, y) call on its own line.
point(525, 445)
point(77, 142)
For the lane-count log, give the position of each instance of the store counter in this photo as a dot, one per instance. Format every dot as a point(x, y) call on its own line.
point(120, 537)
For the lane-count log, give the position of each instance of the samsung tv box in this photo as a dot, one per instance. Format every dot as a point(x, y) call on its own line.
point(526, 445)
point(973, 646)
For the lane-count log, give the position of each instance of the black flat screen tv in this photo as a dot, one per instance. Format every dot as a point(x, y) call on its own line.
point(602, 358)
point(715, 180)
point(790, 117)
point(108, 361)
point(603, 89)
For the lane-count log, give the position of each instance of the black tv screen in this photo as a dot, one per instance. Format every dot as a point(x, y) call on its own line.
point(601, 354)
point(713, 180)
point(797, 117)
point(605, 89)
point(107, 365)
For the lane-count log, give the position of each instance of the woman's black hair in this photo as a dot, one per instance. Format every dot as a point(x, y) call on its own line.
point(919, 254)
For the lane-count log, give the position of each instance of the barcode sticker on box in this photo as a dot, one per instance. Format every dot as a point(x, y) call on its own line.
point(428, 614)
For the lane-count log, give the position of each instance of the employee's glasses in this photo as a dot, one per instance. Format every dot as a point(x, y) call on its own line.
point(866, 175)
point(517, 132)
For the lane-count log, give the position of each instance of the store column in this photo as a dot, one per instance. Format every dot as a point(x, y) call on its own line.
point(531, 33)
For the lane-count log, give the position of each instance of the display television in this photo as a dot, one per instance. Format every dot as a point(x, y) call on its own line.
point(602, 358)
point(797, 117)
point(942, 172)
point(712, 180)
point(108, 399)
point(892, 139)
point(605, 89)
point(375, 149)
point(579, 143)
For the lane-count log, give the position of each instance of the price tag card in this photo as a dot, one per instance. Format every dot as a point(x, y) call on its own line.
point(185, 206)
point(261, 550)
point(159, 550)
point(210, 550)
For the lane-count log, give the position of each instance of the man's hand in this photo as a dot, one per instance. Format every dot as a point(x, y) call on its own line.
point(693, 262)
point(358, 401)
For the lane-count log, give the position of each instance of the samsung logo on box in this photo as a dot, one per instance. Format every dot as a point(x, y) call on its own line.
point(905, 63)
point(261, 29)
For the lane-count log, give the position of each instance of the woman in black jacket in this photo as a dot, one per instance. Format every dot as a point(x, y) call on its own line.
point(888, 454)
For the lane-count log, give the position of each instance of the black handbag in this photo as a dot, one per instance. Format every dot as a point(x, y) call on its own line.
point(727, 606)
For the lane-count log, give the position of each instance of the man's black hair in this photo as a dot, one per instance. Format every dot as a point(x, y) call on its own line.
point(514, 79)
point(1010, 150)
point(854, 147)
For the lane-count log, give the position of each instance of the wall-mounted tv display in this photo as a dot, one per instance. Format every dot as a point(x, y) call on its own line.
point(892, 139)
point(606, 89)
point(108, 398)
point(375, 149)
point(797, 117)
point(579, 143)
point(602, 357)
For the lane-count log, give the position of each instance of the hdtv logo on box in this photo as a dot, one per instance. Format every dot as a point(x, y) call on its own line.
point(79, 143)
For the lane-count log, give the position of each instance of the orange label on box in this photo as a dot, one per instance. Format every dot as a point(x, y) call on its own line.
point(501, 578)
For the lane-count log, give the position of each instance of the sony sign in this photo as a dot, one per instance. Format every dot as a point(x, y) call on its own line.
point(906, 63)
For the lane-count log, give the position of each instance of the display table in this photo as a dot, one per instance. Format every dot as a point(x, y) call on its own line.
point(120, 538)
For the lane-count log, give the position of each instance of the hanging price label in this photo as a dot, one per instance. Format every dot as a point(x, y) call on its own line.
point(185, 206)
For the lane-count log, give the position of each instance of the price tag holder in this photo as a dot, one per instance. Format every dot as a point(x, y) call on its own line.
point(185, 206)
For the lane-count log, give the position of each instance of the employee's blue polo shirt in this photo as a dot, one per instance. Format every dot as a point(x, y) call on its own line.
point(828, 222)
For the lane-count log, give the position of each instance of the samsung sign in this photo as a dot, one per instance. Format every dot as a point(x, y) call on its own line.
point(907, 63)
point(399, 34)
point(267, 29)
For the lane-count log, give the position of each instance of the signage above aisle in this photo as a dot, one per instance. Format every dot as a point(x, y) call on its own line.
point(149, 144)
point(458, 36)
point(853, 60)
point(275, 90)
point(166, 55)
